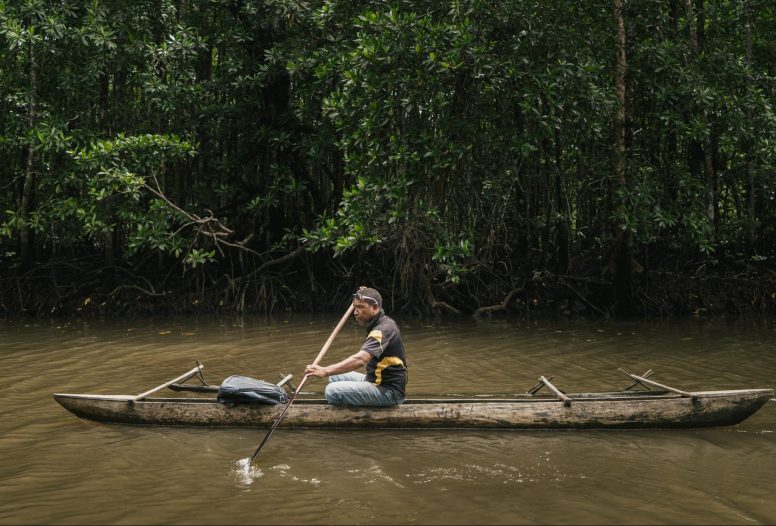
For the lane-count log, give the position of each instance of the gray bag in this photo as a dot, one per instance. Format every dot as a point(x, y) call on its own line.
point(243, 390)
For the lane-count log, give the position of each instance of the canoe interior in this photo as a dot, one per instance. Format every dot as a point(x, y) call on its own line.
point(431, 399)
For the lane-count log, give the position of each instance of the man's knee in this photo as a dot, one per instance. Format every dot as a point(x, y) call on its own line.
point(333, 394)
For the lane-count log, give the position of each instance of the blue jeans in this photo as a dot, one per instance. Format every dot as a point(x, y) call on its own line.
point(353, 389)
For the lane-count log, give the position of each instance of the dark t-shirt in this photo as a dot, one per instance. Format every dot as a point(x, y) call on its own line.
point(388, 367)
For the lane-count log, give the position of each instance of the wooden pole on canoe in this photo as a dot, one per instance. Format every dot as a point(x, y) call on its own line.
point(304, 379)
point(181, 378)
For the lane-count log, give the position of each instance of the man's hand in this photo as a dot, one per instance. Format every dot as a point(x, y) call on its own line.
point(316, 370)
point(351, 363)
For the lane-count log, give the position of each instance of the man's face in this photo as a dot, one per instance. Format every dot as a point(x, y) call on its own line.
point(364, 311)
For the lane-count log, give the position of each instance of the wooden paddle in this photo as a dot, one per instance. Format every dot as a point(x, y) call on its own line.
point(301, 384)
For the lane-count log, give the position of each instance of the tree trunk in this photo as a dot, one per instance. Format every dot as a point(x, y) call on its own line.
point(751, 231)
point(709, 182)
point(105, 119)
point(689, 15)
point(622, 256)
point(619, 90)
point(695, 26)
point(562, 226)
point(28, 188)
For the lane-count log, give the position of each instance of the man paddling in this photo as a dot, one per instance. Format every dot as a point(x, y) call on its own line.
point(382, 353)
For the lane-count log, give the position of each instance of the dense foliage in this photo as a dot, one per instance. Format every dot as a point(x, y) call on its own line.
point(462, 155)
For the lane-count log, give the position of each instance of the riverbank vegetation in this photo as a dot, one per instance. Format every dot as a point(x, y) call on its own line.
point(478, 157)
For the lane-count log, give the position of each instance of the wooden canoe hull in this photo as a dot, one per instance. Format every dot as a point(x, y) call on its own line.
point(586, 411)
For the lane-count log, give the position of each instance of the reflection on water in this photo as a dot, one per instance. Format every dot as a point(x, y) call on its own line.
point(57, 469)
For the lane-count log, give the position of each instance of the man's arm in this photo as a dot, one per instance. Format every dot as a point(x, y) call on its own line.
point(351, 363)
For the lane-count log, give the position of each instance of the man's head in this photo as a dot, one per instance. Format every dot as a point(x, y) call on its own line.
point(368, 303)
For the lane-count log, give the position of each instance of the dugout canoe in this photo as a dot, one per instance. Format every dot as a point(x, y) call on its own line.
point(663, 407)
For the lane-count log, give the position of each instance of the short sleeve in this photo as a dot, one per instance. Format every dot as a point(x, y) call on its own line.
point(374, 343)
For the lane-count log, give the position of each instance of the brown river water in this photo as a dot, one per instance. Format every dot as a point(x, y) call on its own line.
point(58, 469)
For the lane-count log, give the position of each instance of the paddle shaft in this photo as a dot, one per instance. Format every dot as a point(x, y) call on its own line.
point(304, 379)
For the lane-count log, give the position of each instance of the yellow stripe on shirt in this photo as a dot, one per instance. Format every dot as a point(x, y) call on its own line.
point(386, 362)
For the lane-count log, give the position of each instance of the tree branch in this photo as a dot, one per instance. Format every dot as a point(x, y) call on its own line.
point(503, 306)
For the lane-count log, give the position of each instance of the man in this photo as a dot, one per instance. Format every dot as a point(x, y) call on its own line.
point(382, 353)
